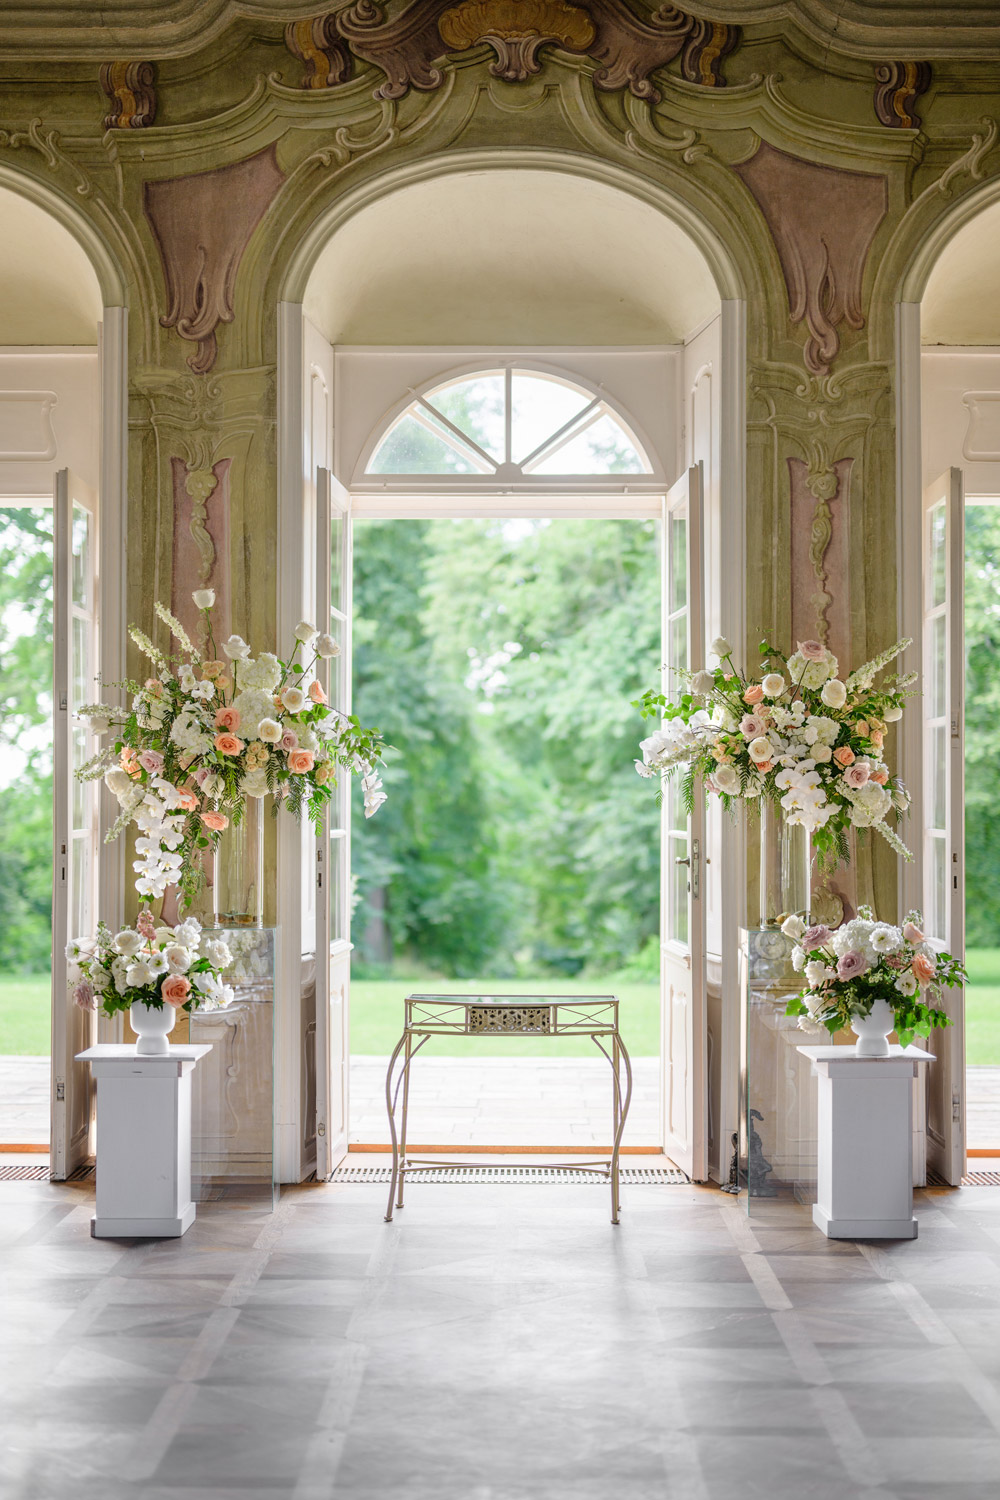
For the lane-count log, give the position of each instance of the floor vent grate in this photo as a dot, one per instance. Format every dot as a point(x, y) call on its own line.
point(630, 1176)
point(24, 1174)
point(971, 1179)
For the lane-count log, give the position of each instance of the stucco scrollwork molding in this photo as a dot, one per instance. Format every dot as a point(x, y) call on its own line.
point(823, 221)
point(648, 139)
point(47, 145)
point(898, 86)
point(131, 87)
point(202, 224)
point(971, 162)
point(516, 30)
point(410, 48)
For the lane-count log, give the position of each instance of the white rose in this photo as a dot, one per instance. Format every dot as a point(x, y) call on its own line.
point(218, 953)
point(725, 779)
point(236, 648)
point(139, 975)
point(702, 682)
point(294, 699)
point(178, 958)
point(794, 928)
point(760, 749)
point(127, 942)
point(305, 632)
point(203, 598)
point(891, 715)
point(326, 647)
point(821, 754)
point(720, 647)
point(269, 730)
point(773, 685)
point(834, 693)
point(188, 932)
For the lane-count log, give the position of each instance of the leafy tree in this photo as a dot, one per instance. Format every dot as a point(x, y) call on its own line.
point(982, 710)
point(25, 716)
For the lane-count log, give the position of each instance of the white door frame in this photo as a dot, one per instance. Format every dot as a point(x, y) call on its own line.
point(730, 562)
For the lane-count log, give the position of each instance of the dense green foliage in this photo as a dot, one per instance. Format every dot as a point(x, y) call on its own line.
point(25, 748)
point(501, 658)
point(982, 714)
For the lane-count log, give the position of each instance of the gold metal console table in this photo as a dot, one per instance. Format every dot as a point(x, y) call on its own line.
point(427, 1016)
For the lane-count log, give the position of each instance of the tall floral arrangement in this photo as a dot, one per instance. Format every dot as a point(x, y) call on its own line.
point(203, 733)
point(798, 734)
point(864, 960)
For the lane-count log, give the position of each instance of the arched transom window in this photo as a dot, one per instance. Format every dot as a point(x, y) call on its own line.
point(508, 425)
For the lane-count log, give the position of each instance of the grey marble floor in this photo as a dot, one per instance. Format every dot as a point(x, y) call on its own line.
point(499, 1343)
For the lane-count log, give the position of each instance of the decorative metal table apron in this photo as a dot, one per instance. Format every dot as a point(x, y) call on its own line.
point(427, 1016)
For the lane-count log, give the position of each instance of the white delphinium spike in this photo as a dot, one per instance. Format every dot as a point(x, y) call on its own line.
point(864, 675)
point(177, 630)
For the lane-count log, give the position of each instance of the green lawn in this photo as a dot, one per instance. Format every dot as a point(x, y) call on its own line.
point(376, 1009)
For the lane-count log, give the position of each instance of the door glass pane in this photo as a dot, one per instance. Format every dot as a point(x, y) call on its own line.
point(337, 529)
point(476, 407)
point(677, 878)
point(81, 556)
point(80, 668)
point(936, 876)
point(938, 665)
point(80, 884)
point(937, 772)
point(678, 647)
point(938, 555)
point(338, 879)
point(678, 563)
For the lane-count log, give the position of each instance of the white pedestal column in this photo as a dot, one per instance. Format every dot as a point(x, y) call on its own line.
point(865, 1167)
point(143, 1141)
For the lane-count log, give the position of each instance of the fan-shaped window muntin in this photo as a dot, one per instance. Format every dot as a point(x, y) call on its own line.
point(508, 424)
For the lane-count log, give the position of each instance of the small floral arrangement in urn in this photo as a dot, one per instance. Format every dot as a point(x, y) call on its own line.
point(153, 972)
point(872, 976)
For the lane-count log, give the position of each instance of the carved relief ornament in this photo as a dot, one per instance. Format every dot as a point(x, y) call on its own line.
point(202, 224)
point(823, 220)
point(898, 86)
point(409, 48)
point(131, 88)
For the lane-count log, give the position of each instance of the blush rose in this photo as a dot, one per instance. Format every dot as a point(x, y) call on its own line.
point(300, 761)
point(175, 990)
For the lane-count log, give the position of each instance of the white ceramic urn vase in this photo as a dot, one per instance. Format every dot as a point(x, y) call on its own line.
point(152, 1026)
point(872, 1030)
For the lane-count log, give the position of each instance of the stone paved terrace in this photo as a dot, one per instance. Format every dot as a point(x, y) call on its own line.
point(507, 1101)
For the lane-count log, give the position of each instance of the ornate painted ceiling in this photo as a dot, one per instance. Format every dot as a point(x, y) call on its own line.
point(886, 29)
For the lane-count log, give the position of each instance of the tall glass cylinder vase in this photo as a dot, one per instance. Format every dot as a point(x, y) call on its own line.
point(785, 867)
point(238, 887)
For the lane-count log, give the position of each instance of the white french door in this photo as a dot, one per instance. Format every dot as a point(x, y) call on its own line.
point(333, 847)
point(682, 905)
point(943, 805)
point(75, 806)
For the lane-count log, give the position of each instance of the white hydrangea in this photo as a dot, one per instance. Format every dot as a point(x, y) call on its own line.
point(869, 804)
point(811, 674)
point(885, 938)
point(188, 733)
point(820, 728)
point(253, 705)
point(263, 674)
point(798, 959)
point(254, 783)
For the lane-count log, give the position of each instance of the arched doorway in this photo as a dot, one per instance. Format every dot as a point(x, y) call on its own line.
point(949, 348)
point(62, 482)
point(518, 270)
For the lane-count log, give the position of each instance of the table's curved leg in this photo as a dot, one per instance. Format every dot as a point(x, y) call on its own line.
point(390, 1104)
point(621, 1108)
point(402, 1126)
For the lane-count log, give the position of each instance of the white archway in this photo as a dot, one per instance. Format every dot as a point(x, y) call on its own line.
point(364, 238)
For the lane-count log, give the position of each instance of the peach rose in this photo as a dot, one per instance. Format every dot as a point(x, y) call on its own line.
point(175, 990)
point(844, 756)
point(216, 821)
point(187, 800)
point(881, 776)
point(154, 687)
point(210, 670)
point(316, 692)
point(863, 728)
point(324, 772)
point(227, 718)
point(877, 738)
point(764, 766)
point(912, 933)
point(130, 762)
point(923, 969)
point(228, 744)
point(300, 761)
